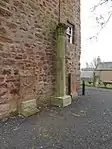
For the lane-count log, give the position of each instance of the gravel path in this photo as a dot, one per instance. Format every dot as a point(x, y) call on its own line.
point(86, 124)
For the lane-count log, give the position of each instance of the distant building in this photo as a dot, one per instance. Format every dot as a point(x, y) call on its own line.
point(104, 72)
point(87, 74)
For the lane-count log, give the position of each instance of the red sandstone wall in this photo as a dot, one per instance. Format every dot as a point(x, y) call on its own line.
point(28, 49)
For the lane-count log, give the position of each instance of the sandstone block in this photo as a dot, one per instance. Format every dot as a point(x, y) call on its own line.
point(61, 101)
point(28, 108)
point(4, 110)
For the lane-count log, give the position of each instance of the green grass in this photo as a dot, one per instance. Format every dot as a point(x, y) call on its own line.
point(87, 84)
point(109, 86)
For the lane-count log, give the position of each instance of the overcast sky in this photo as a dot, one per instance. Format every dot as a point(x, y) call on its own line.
point(91, 49)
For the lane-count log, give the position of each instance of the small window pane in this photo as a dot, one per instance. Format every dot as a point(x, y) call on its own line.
point(70, 35)
point(70, 31)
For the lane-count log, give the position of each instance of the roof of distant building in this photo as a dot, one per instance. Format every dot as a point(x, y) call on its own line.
point(105, 66)
point(87, 69)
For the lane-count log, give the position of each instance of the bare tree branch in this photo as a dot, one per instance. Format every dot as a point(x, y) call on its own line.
point(94, 63)
point(105, 23)
point(100, 20)
point(101, 2)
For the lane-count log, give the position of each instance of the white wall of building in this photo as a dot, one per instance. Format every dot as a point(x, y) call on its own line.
point(86, 74)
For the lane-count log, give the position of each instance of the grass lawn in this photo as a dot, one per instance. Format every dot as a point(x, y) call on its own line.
point(108, 86)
